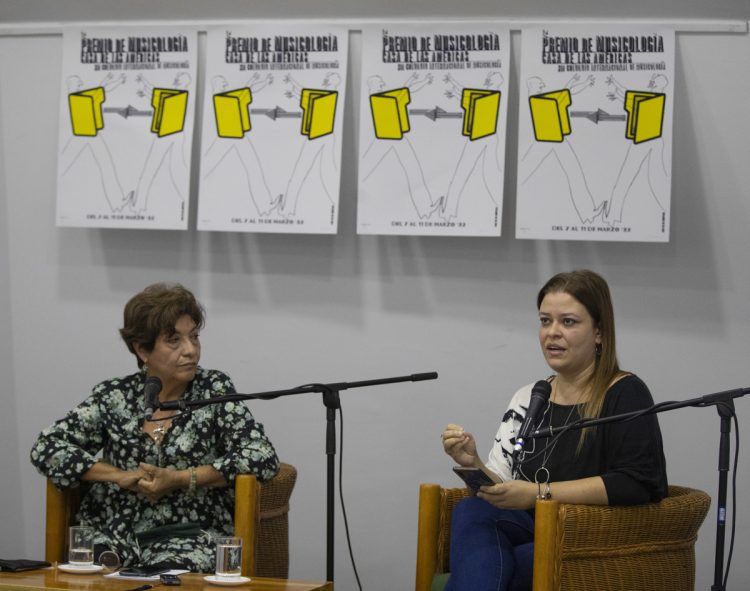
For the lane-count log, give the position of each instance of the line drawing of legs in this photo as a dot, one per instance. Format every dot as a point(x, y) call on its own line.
point(257, 186)
point(470, 156)
point(583, 200)
point(320, 151)
point(99, 149)
point(650, 154)
point(160, 153)
point(419, 193)
point(214, 155)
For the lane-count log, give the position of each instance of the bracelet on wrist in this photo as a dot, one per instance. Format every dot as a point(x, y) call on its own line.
point(193, 486)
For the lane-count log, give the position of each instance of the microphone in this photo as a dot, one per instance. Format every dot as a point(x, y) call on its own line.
point(539, 397)
point(151, 393)
point(418, 377)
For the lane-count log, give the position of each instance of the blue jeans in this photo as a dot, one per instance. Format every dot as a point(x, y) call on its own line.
point(491, 549)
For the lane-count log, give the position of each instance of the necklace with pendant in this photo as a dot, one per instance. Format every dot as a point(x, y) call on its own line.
point(161, 429)
point(159, 433)
point(542, 475)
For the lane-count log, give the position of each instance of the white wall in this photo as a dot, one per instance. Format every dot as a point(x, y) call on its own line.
point(10, 462)
point(288, 310)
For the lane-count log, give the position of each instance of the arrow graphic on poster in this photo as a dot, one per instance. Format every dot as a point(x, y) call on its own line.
point(129, 111)
point(277, 113)
point(598, 115)
point(436, 113)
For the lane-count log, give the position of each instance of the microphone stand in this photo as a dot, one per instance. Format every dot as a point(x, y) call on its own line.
point(724, 403)
point(332, 402)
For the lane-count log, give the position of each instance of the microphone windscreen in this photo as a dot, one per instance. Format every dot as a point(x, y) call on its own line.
point(542, 388)
point(152, 386)
point(151, 390)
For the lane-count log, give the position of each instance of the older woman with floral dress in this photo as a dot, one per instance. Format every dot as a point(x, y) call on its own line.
point(160, 490)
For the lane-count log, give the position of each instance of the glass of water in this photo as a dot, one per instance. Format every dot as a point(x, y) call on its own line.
point(228, 557)
point(81, 545)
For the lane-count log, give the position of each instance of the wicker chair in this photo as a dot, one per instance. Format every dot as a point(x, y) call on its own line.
point(585, 547)
point(261, 519)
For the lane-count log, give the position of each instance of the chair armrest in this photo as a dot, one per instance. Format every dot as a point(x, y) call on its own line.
point(275, 493)
point(61, 505)
point(427, 535)
point(272, 539)
point(675, 519)
point(433, 541)
point(246, 518)
point(640, 542)
point(261, 520)
point(547, 545)
point(56, 523)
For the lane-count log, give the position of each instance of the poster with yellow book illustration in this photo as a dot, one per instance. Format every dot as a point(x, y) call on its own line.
point(126, 119)
point(432, 129)
point(272, 121)
point(595, 133)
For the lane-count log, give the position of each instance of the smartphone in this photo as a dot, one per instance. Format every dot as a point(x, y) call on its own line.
point(473, 477)
point(143, 571)
point(171, 580)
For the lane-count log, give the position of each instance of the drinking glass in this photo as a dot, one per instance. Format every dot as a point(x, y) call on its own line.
point(228, 557)
point(81, 545)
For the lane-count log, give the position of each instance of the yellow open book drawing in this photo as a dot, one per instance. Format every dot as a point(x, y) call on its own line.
point(389, 113)
point(480, 112)
point(318, 112)
point(231, 111)
point(86, 111)
point(549, 113)
point(645, 115)
point(170, 107)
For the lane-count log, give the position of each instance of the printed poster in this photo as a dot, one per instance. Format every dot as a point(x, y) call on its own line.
point(126, 122)
point(272, 127)
point(595, 133)
point(432, 129)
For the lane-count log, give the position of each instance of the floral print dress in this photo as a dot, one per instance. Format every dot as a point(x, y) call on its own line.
point(110, 421)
